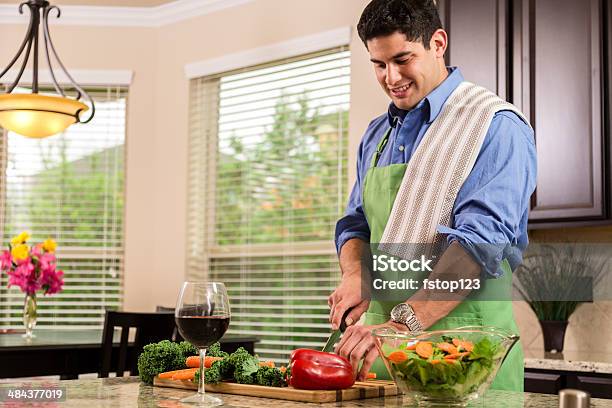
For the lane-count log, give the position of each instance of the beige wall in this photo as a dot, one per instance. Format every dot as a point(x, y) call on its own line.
point(156, 187)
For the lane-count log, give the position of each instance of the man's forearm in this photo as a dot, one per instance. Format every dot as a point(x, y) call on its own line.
point(431, 305)
point(351, 256)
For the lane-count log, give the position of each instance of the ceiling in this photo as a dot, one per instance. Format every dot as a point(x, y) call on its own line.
point(124, 3)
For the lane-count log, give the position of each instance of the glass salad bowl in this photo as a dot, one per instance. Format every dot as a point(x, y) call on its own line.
point(445, 367)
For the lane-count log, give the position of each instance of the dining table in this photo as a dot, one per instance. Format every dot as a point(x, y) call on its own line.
point(131, 392)
point(68, 353)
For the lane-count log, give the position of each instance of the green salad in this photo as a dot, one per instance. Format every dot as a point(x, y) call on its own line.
point(452, 368)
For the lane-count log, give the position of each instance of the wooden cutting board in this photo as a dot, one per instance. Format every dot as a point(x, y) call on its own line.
point(361, 390)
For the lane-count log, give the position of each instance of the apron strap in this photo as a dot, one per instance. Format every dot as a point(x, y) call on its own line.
point(380, 148)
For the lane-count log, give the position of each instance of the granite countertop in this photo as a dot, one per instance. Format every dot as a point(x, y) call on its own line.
point(587, 362)
point(130, 392)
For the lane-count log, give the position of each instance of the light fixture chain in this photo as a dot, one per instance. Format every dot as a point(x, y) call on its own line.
point(23, 65)
point(47, 40)
point(36, 17)
point(25, 41)
point(81, 91)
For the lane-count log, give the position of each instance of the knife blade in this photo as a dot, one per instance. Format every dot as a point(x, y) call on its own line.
point(335, 335)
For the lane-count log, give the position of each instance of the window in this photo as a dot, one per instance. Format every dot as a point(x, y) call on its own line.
point(267, 183)
point(69, 187)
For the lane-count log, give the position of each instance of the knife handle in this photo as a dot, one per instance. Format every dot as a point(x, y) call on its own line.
point(343, 322)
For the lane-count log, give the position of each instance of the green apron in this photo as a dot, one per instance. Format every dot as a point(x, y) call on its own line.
point(381, 185)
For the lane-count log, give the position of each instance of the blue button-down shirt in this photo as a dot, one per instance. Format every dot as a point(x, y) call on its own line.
point(490, 213)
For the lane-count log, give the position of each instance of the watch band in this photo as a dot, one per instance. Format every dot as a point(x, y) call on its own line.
point(413, 324)
point(404, 314)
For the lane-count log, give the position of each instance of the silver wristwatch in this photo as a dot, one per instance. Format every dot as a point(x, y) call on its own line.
point(404, 314)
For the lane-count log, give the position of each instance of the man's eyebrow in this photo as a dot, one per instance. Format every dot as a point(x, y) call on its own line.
point(396, 56)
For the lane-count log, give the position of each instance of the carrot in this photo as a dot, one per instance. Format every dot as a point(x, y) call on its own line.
point(186, 374)
point(397, 357)
point(464, 344)
point(424, 349)
point(371, 376)
point(283, 369)
point(194, 361)
point(456, 355)
point(447, 347)
point(266, 364)
point(435, 361)
point(168, 374)
point(412, 346)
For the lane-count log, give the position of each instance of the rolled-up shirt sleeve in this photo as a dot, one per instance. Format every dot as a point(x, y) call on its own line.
point(491, 209)
point(354, 223)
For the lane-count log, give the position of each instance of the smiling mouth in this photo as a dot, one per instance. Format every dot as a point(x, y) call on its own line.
point(400, 91)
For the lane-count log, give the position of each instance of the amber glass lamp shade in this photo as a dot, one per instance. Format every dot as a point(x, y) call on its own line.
point(38, 116)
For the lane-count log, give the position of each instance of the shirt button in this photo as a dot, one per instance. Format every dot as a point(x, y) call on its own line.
point(401, 148)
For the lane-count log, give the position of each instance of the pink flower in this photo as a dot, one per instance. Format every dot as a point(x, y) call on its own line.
point(52, 280)
point(6, 261)
point(24, 276)
point(37, 251)
point(36, 271)
point(47, 261)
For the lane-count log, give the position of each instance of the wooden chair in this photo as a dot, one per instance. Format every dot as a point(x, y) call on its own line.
point(176, 336)
point(150, 328)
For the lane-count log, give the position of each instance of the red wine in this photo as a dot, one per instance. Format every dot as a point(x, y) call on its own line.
point(202, 331)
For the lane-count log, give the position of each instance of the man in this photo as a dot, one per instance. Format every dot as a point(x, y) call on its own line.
point(486, 229)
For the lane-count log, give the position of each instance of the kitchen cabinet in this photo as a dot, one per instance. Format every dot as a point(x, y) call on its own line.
point(545, 383)
point(551, 382)
point(551, 58)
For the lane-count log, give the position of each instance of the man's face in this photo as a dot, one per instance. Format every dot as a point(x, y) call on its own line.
point(406, 70)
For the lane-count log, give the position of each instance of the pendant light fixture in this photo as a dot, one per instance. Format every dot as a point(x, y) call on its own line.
point(32, 114)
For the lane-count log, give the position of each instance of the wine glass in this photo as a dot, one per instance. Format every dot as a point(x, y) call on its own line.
point(202, 316)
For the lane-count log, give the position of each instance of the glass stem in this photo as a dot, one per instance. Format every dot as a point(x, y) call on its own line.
point(201, 389)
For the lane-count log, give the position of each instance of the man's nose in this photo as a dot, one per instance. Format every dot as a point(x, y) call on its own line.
point(393, 75)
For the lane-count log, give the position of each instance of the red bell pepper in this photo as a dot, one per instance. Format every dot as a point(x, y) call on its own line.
point(317, 370)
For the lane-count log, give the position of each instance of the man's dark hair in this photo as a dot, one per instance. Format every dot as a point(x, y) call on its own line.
point(416, 19)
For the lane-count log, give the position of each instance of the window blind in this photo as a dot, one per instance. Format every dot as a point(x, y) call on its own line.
point(267, 183)
point(69, 187)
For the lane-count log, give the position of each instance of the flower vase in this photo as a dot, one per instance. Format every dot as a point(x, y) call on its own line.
point(553, 332)
point(30, 313)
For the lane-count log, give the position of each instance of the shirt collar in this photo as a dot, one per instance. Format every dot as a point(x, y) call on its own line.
point(434, 100)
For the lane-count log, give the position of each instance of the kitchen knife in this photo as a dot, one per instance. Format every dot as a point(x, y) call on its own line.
point(335, 335)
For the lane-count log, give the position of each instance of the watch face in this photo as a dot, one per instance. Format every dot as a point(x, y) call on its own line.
point(400, 313)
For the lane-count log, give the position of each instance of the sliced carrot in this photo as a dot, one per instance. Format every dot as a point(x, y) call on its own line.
point(194, 361)
point(424, 349)
point(435, 361)
point(371, 376)
point(464, 344)
point(168, 374)
point(456, 355)
point(397, 357)
point(186, 374)
point(447, 347)
point(266, 364)
point(412, 346)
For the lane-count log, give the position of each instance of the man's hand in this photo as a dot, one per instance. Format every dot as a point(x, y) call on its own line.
point(352, 291)
point(347, 295)
point(358, 344)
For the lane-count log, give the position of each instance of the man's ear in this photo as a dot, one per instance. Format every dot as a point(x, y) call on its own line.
point(439, 42)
